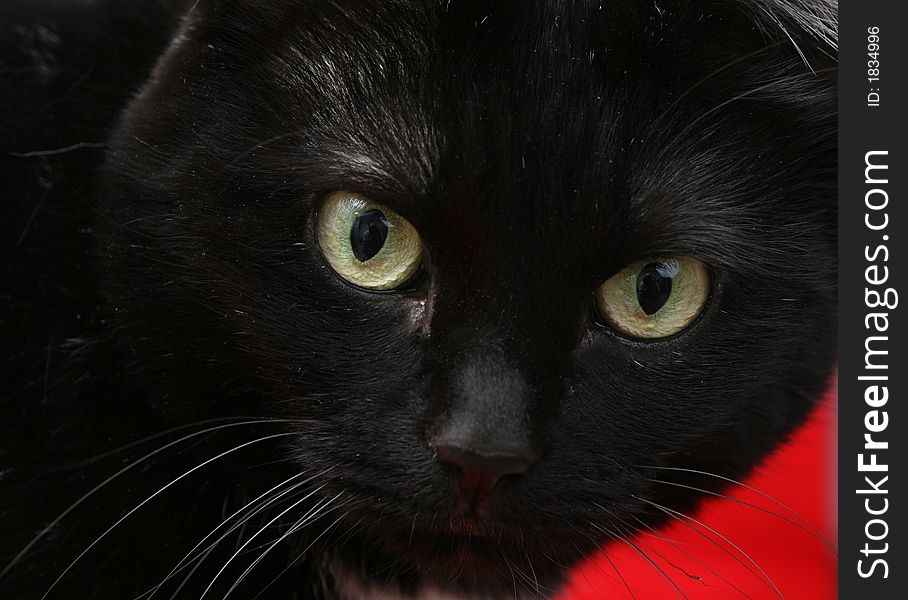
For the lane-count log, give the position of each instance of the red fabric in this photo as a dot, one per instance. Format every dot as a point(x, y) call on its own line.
point(800, 475)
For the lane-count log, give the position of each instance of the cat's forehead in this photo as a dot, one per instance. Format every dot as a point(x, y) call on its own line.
point(484, 95)
point(559, 125)
point(472, 106)
point(498, 52)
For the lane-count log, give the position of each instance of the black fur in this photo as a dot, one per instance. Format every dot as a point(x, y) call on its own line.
point(162, 163)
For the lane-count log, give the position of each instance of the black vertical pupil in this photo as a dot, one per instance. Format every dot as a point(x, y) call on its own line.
point(654, 286)
point(368, 234)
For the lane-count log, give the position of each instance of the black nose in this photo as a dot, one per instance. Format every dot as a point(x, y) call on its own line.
point(482, 468)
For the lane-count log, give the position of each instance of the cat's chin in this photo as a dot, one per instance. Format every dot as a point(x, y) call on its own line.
point(444, 567)
point(349, 585)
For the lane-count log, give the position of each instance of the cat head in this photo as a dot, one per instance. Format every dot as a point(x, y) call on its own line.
point(500, 263)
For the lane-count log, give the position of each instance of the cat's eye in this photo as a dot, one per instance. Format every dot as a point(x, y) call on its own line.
point(366, 243)
point(655, 298)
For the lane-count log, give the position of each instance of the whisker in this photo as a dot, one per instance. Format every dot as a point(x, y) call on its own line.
point(681, 517)
point(148, 499)
point(311, 514)
point(413, 528)
point(255, 535)
point(50, 526)
point(803, 520)
point(352, 530)
point(630, 527)
point(618, 572)
point(211, 548)
point(187, 558)
point(736, 558)
point(510, 568)
point(665, 576)
point(268, 547)
point(301, 554)
point(533, 573)
point(807, 530)
point(672, 564)
point(99, 457)
point(300, 524)
point(192, 571)
point(525, 581)
point(665, 539)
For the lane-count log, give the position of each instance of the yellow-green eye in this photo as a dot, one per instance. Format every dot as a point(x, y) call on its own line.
point(366, 243)
point(655, 298)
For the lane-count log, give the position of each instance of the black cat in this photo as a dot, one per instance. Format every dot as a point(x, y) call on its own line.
point(341, 299)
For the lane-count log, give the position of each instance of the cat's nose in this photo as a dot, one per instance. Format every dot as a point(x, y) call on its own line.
point(481, 468)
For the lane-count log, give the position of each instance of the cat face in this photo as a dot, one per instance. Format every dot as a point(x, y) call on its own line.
point(539, 186)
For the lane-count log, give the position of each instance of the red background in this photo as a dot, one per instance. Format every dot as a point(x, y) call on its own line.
point(800, 475)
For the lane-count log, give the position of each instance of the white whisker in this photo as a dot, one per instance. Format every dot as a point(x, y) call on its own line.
point(255, 535)
point(301, 554)
point(300, 524)
point(803, 520)
point(270, 500)
point(681, 516)
point(652, 532)
point(807, 530)
point(148, 499)
point(116, 475)
point(620, 536)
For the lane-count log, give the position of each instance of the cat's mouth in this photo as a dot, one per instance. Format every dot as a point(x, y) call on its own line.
point(470, 526)
point(472, 518)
